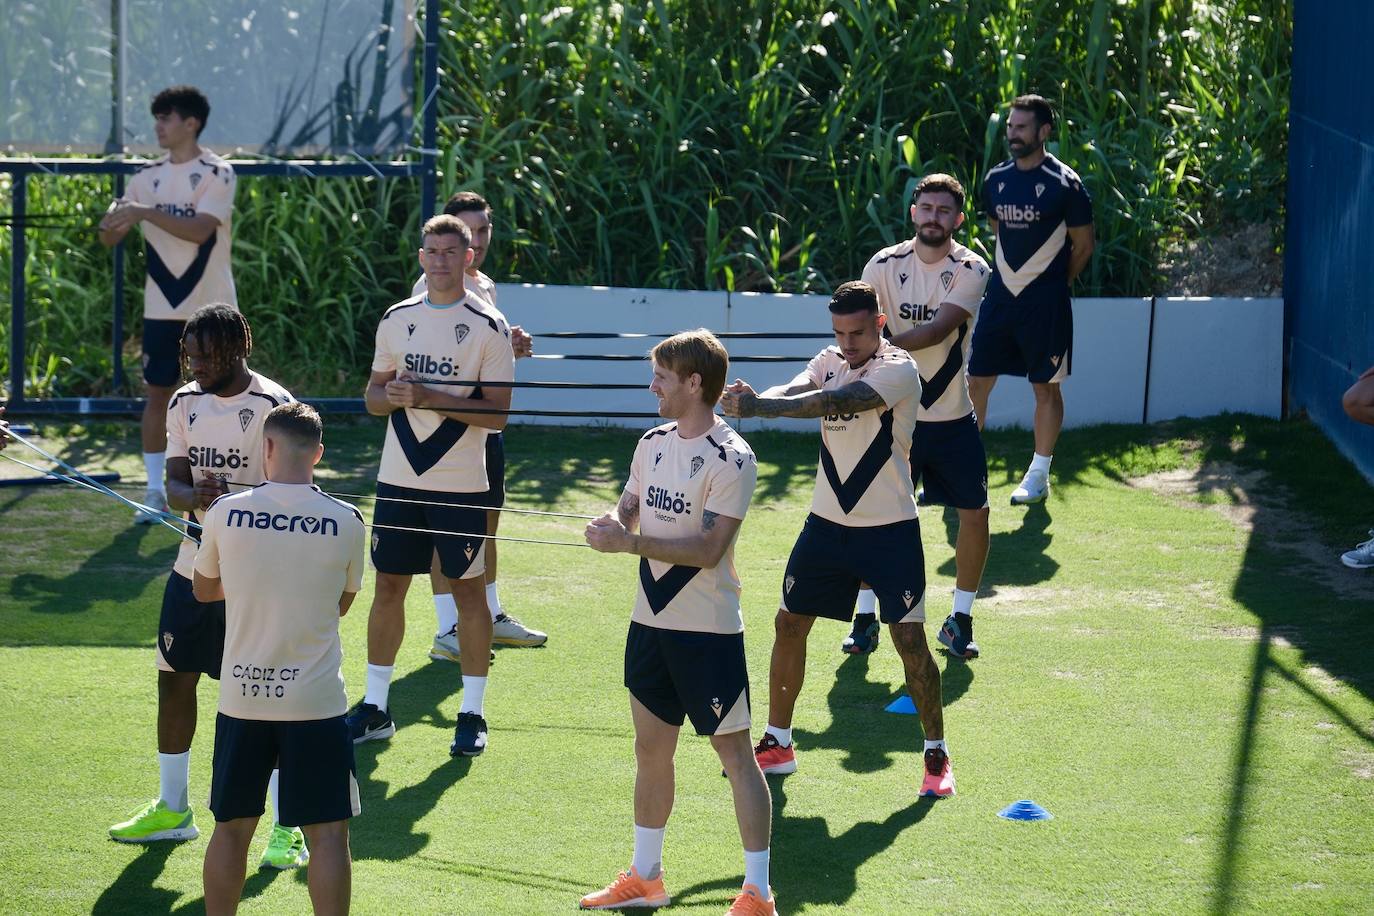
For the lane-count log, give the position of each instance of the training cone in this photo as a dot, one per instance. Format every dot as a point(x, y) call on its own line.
point(1024, 810)
point(903, 705)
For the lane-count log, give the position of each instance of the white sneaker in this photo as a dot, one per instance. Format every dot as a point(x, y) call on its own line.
point(1035, 486)
point(1362, 557)
point(509, 631)
point(153, 499)
point(445, 648)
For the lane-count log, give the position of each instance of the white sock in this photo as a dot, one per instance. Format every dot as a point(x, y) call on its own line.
point(648, 858)
point(1041, 462)
point(868, 602)
point(378, 685)
point(963, 601)
point(174, 771)
point(784, 735)
point(445, 612)
point(274, 795)
point(156, 465)
point(756, 871)
point(940, 744)
point(473, 690)
point(493, 602)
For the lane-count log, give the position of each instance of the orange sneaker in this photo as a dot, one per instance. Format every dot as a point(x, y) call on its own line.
point(751, 903)
point(773, 758)
point(628, 889)
point(939, 778)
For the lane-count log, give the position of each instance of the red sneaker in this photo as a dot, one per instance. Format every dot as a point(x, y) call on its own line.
point(773, 758)
point(939, 778)
point(628, 889)
point(750, 902)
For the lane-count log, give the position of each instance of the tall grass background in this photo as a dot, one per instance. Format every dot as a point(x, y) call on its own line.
point(697, 145)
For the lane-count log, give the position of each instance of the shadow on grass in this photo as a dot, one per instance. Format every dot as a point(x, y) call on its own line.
point(815, 868)
point(115, 572)
point(133, 891)
point(1019, 557)
point(860, 726)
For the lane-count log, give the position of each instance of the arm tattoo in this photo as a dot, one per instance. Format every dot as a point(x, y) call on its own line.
point(708, 520)
point(855, 397)
point(628, 509)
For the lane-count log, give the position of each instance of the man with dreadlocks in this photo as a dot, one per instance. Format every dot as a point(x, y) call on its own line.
point(214, 438)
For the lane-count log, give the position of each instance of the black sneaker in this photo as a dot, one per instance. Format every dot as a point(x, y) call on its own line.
point(368, 723)
point(470, 737)
point(956, 635)
point(863, 637)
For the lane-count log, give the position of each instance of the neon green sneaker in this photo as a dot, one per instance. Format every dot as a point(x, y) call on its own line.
point(155, 821)
point(285, 848)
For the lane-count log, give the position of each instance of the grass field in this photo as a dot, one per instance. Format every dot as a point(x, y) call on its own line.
point(1175, 664)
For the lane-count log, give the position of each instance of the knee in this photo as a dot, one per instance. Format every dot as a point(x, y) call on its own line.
point(1047, 394)
point(735, 753)
point(790, 627)
point(331, 836)
point(390, 593)
point(650, 753)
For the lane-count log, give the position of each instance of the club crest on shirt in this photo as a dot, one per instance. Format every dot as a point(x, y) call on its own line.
point(717, 706)
point(908, 597)
point(946, 278)
point(1039, 189)
point(461, 332)
point(245, 417)
point(191, 421)
point(697, 463)
point(195, 180)
point(788, 583)
point(167, 642)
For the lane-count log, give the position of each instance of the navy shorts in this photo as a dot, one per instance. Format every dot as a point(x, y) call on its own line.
point(190, 633)
point(948, 460)
point(829, 561)
point(495, 497)
point(318, 782)
point(681, 675)
point(162, 351)
point(411, 552)
point(1016, 338)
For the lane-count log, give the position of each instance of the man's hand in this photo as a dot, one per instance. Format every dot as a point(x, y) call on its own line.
point(123, 215)
point(404, 392)
point(738, 400)
point(607, 535)
point(521, 342)
point(209, 488)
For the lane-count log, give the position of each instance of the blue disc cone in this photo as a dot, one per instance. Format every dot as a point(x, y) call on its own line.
point(1024, 810)
point(903, 705)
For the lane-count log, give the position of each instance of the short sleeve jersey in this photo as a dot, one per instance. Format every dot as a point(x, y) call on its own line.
point(466, 341)
point(1034, 209)
point(480, 286)
point(676, 481)
point(863, 478)
point(285, 553)
point(183, 276)
point(910, 292)
point(222, 436)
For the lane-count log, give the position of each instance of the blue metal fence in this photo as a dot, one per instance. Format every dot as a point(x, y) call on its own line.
point(1329, 261)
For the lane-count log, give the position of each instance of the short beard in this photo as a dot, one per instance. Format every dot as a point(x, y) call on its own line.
point(1030, 149)
point(943, 236)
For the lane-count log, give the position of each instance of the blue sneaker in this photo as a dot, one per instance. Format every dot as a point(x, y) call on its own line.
point(368, 723)
point(470, 736)
point(863, 638)
point(956, 635)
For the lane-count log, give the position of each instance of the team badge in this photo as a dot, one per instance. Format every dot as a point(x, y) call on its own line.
point(245, 417)
point(410, 329)
point(190, 421)
point(788, 583)
point(697, 462)
point(195, 180)
point(908, 597)
point(1039, 189)
point(946, 278)
point(716, 706)
point(461, 331)
point(167, 641)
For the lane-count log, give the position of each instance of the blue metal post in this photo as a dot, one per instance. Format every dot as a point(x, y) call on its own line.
point(117, 335)
point(428, 159)
point(17, 258)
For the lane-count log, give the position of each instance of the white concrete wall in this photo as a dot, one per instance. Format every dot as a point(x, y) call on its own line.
point(1209, 355)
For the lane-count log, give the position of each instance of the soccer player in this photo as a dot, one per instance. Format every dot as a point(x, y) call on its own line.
point(475, 212)
point(1358, 402)
point(287, 561)
point(1042, 217)
point(929, 288)
point(862, 526)
point(214, 438)
point(433, 462)
point(183, 201)
point(690, 484)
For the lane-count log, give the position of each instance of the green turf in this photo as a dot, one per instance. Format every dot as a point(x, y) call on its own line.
point(1193, 701)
